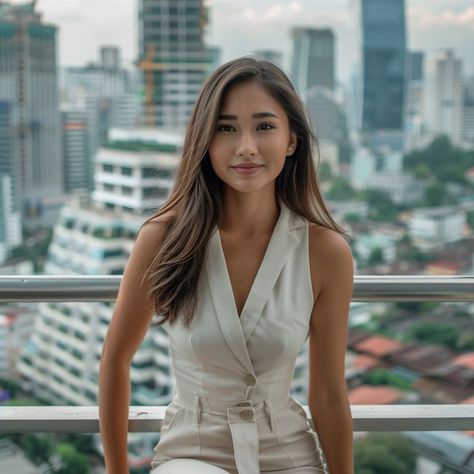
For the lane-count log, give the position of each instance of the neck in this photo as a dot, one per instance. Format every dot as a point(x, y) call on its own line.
point(249, 218)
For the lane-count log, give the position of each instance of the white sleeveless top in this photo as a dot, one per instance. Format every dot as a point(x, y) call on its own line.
point(233, 375)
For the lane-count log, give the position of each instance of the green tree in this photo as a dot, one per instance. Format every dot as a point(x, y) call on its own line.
point(436, 333)
point(435, 194)
point(73, 461)
point(381, 206)
point(84, 443)
point(384, 377)
point(10, 385)
point(325, 172)
point(376, 256)
point(417, 307)
point(340, 189)
point(384, 453)
point(37, 447)
point(442, 160)
point(470, 219)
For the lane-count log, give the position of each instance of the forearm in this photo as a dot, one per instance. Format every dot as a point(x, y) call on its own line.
point(114, 401)
point(333, 424)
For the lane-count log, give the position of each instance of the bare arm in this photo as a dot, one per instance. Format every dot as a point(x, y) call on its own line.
point(132, 313)
point(331, 259)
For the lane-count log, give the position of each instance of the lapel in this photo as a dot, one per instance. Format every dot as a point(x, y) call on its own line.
point(237, 331)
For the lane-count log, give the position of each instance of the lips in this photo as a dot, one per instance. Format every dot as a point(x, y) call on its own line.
point(246, 166)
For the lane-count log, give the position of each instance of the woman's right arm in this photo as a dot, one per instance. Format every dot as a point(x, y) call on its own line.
point(128, 326)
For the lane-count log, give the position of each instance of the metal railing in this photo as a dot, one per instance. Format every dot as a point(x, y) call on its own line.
point(85, 419)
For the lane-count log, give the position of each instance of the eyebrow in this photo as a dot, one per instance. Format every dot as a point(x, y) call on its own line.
point(256, 115)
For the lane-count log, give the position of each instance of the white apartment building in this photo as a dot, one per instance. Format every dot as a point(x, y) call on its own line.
point(435, 227)
point(95, 237)
point(443, 96)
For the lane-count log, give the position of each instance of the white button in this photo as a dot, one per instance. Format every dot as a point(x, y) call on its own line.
point(243, 404)
point(246, 414)
point(250, 380)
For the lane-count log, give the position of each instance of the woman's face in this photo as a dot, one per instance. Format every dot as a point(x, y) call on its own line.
point(252, 128)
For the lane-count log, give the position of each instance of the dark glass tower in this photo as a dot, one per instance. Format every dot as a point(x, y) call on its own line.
point(383, 64)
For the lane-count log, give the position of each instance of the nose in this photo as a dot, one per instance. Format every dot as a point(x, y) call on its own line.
point(246, 145)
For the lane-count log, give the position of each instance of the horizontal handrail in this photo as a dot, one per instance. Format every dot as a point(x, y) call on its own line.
point(456, 288)
point(85, 419)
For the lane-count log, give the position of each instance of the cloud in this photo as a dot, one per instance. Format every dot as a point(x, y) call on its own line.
point(427, 19)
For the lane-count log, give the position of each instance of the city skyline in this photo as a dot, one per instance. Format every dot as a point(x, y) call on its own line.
point(431, 25)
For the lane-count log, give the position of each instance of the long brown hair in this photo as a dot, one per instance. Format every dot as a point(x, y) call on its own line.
point(196, 197)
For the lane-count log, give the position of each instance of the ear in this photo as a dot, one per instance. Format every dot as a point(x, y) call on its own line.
point(292, 143)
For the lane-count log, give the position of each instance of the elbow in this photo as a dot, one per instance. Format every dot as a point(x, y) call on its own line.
point(328, 398)
point(112, 361)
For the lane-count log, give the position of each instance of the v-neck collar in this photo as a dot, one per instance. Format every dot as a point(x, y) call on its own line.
point(238, 330)
point(259, 271)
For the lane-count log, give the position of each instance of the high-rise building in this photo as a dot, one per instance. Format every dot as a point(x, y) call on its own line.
point(110, 57)
point(173, 59)
point(313, 74)
point(312, 61)
point(76, 149)
point(413, 122)
point(381, 67)
point(443, 96)
point(28, 80)
point(10, 220)
point(468, 117)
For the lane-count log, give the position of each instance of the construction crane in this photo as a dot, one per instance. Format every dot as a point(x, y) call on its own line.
point(149, 66)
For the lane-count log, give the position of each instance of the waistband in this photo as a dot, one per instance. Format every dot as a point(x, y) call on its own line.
point(219, 407)
point(266, 407)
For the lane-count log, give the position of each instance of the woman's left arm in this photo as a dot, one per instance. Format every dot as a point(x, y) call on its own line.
point(327, 392)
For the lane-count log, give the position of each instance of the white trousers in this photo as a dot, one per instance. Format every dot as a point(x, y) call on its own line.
point(190, 466)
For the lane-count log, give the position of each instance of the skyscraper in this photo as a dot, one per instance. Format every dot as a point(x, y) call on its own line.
point(173, 59)
point(312, 62)
point(382, 64)
point(414, 101)
point(76, 150)
point(443, 96)
point(28, 81)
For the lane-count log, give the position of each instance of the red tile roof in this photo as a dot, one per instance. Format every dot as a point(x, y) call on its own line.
point(364, 361)
point(443, 267)
point(378, 346)
point(374, 395)
point(467, 360)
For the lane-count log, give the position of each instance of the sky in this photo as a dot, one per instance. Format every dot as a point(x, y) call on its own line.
point(240, 27)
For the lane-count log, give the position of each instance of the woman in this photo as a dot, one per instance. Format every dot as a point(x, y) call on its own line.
point(243, 263)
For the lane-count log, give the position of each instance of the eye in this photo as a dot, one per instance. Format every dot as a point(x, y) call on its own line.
point(266, 124)
point(218, 128)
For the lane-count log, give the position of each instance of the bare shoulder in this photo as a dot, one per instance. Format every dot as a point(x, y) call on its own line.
point(154, 229)
point(163, 219)
point(329, 254)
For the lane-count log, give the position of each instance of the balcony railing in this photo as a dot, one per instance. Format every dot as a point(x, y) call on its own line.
point(85, 419)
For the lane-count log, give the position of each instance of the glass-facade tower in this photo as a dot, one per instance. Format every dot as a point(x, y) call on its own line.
point(382, 65)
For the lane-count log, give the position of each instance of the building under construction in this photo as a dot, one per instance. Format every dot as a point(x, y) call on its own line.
point(173, 59)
